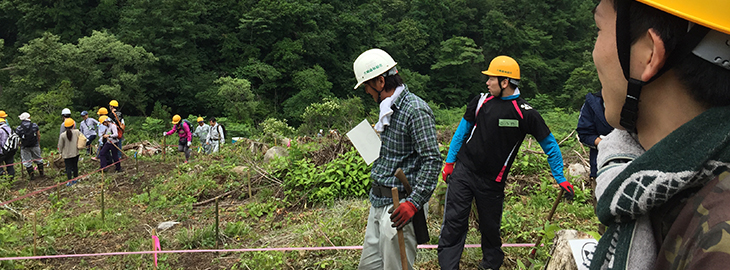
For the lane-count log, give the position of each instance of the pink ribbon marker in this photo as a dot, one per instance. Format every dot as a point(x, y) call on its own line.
point(156, 248)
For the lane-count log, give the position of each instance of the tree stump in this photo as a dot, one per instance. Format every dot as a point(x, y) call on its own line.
point(562, 256)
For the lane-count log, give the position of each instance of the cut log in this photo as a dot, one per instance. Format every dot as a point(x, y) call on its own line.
point(561, 255)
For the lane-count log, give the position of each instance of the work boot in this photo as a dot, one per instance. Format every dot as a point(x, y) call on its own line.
point(31, 173)
point(40, 169)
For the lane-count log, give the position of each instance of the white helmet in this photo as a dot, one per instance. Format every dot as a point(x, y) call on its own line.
point(373, 63)
point(66, 111)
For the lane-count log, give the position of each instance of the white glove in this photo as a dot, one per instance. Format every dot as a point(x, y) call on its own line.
point(188, 144)
point(164, 134)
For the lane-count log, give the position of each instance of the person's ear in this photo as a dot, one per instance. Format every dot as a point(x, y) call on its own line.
point(652, 54)
point(504, 83)
point(379, 83)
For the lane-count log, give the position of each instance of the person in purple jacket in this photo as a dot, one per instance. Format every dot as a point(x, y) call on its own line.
point(186, 137)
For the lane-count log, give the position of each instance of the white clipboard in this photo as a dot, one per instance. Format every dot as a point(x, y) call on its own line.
point(366, 141)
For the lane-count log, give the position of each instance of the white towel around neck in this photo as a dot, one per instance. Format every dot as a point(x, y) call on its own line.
point(386, 111)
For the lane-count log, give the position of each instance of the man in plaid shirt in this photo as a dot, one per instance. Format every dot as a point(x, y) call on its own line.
point(408, 134)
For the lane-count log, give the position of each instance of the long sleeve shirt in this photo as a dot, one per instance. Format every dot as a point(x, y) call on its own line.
point(4, 134)
point(183, 132)
point(409, 143)
point(216, 134)
point(111, 130)
point(202, 132)
point(88, 127)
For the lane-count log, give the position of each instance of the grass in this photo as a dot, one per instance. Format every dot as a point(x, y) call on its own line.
point(69, 221)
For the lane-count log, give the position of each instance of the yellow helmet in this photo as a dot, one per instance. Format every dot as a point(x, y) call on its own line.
point(68, 123)
point(3, 114)
point(176, 119)
point(102, 111)
point(200, 119)
point(712, 14)
point(103, 118)
point(503, 66)
point(114, 103)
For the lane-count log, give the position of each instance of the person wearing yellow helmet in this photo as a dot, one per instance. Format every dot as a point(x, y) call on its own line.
point(182, 127)
point(493, 127)
point(201, 131)
point(109, 148)
point(100, 132)
point(664, 66)
point(68, 148)
point(116, 116)
point(7, 151)
point(407, 129)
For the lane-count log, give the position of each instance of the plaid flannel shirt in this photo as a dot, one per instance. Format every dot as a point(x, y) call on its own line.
point(408, 143)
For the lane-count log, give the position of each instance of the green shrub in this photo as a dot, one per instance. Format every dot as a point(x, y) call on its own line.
point(345, 176)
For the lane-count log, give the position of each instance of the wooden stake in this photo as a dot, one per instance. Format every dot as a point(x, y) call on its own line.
point(248, 174)
point(34, 235)
point(102, 196)
point(401, 239)
point(163, 147)
point(216, 224)
point(154, 247)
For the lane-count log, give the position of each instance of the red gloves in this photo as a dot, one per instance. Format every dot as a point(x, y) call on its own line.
point(568, 188)
point(402, 215)
point(448, 169)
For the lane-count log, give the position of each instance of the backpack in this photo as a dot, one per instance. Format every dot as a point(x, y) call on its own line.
point(28, 135)
point(190, 125)
point(224, 129)
point(219, 131)
point(118, 122)
point(11, 143)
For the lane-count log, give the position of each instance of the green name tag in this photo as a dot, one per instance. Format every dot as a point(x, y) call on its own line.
point(509, 123)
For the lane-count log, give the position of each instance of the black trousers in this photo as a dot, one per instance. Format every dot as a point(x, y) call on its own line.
point(465, 186)
point(8, 158)
point(72, 167)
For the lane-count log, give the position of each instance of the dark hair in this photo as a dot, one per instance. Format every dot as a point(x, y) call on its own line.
point(212, 119)
point(708, 83)
point(391, 82)
point(69, 133)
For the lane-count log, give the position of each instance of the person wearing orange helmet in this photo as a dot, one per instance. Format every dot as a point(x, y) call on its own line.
point(492, 130)
point(68, 148)
point(663, 185)
point(102, 112)
point(109, 150)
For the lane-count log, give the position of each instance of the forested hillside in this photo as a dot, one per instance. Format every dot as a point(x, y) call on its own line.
point(252, 60)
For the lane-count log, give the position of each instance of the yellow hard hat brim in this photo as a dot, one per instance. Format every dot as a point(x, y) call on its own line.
point(713, 15)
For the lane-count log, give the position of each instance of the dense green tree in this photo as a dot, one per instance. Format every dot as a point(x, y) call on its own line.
point(293, 52)
point(239, 98)
point(98, 68)
point(314, 87)
point(457, 68)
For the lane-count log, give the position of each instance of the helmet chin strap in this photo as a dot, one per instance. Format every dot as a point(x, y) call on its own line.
point(630, 109)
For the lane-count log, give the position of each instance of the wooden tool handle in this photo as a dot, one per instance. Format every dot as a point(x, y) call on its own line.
point(401, 239)
point(403, 180)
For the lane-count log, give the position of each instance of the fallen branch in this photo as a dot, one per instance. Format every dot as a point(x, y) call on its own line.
point(20, 215)
point(213, 199)
point(566, 137)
